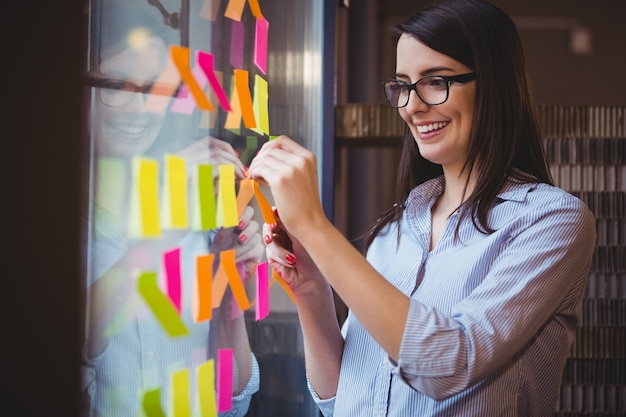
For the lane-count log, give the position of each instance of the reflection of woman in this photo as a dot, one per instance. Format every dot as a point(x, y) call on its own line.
point(127, 352)
point(468, 300)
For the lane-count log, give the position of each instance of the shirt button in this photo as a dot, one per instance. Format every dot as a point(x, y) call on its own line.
point(150, 354)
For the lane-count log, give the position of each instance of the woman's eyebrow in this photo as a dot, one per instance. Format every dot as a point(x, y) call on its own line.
point(429, 71)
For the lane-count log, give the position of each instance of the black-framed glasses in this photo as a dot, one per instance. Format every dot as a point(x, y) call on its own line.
point(115, 92)
point(432, 89)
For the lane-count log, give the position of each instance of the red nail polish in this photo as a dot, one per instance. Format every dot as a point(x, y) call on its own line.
point(267, 238)
point(218, 238)
point(241, 225)
point(243, 238)
point(290, 258)
point(272, 226)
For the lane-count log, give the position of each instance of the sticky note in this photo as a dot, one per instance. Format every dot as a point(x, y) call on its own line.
point(151, 403)
point(181, 401)
point(245, 98)
point(144, 207)
point(205, 60)
point(112, 179)
point(202, 294)
point(181, 57)
point(185, 102)
point(160, 305)
point(262, 291)
point(163, 89)
point(237, 42)
point(285, 286)
point(255, 8)
point(171, 261)
point(260, 104)
point(233, 119)
point(266, 209)
point(252, 142)
point(227, 275)
point(246, 192)
point(209, 9)
point(260, 43)
point(226, 215)
point(203, 198)
point(206, 389)
point(234, 10)
point(224, 380)
point(174, 196)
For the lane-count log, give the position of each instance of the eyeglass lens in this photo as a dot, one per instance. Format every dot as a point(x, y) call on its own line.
point(431, 90)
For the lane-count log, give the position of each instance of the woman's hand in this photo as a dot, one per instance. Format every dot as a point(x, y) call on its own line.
point(212, 151)
point(291, 173)
point(289, 259)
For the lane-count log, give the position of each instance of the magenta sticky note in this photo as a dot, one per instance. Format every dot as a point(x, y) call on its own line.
point(171, 260)
point(205, 60)
point(260, 44)
point(237, 44)
point(224, 380)
point(262, 291)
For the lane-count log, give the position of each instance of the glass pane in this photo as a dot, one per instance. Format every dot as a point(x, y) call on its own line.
point(181, 95)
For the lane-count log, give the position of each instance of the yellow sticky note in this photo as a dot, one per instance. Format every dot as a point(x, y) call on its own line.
point(181, 397)
point(112, 175)
point(260, 106)
point(151, 403)
point(203, 198)
point(144, 211)
point(174, 201)
point(160, 305)
point(226, 215)
point(206, 389)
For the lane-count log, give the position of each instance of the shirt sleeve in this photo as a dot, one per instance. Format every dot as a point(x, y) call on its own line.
point(539, 272)
point(326, 406)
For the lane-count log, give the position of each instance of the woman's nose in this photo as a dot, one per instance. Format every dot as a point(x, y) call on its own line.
point(415, 103)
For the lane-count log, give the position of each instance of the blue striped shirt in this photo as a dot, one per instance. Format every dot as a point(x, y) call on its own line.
point(492, 319)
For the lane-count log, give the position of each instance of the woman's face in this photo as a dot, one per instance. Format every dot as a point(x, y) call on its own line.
point(441, 131)
point(121, 124)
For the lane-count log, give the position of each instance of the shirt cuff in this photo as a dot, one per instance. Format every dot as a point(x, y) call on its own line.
point(327, 406)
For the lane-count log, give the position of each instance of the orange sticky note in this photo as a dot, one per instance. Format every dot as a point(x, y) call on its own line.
point(203, 198)
point(284, 285)
point(245, 98)
point(246, 192)
point(174, 196)
point(266, 209)
point(260, 106)
point(163, 89)
point(226, 215)
point(234, 10)
point(227, 274)
point(202, 295)
point(144, 207)
point(181, 57)
point(255, 8)
point(161, 306)
point(206, 389)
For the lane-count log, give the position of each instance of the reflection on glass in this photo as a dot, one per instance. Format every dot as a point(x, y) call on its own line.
point(131, 364)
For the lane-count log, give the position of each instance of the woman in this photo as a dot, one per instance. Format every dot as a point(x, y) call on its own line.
point(467, 301)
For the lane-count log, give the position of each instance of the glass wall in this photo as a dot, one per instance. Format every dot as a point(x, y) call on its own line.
point(182, 315)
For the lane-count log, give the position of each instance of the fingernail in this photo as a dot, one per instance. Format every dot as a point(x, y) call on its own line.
point(236, 153)
point(241, 225)
point(272, 226)
point(267, 238)
point(218, 238)
point(290, 258)
point(243, 238)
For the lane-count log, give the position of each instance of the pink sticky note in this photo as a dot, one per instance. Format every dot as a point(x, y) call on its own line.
point(224, 380)
point(205, 60)
point(260, 44)
point(185, 103)
point(236, 44)
point(171, 259)
point(262, 291)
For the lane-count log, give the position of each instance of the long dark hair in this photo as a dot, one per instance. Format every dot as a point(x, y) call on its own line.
point(505, 138)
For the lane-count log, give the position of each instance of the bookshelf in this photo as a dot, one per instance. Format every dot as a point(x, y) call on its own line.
point(586, 149)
